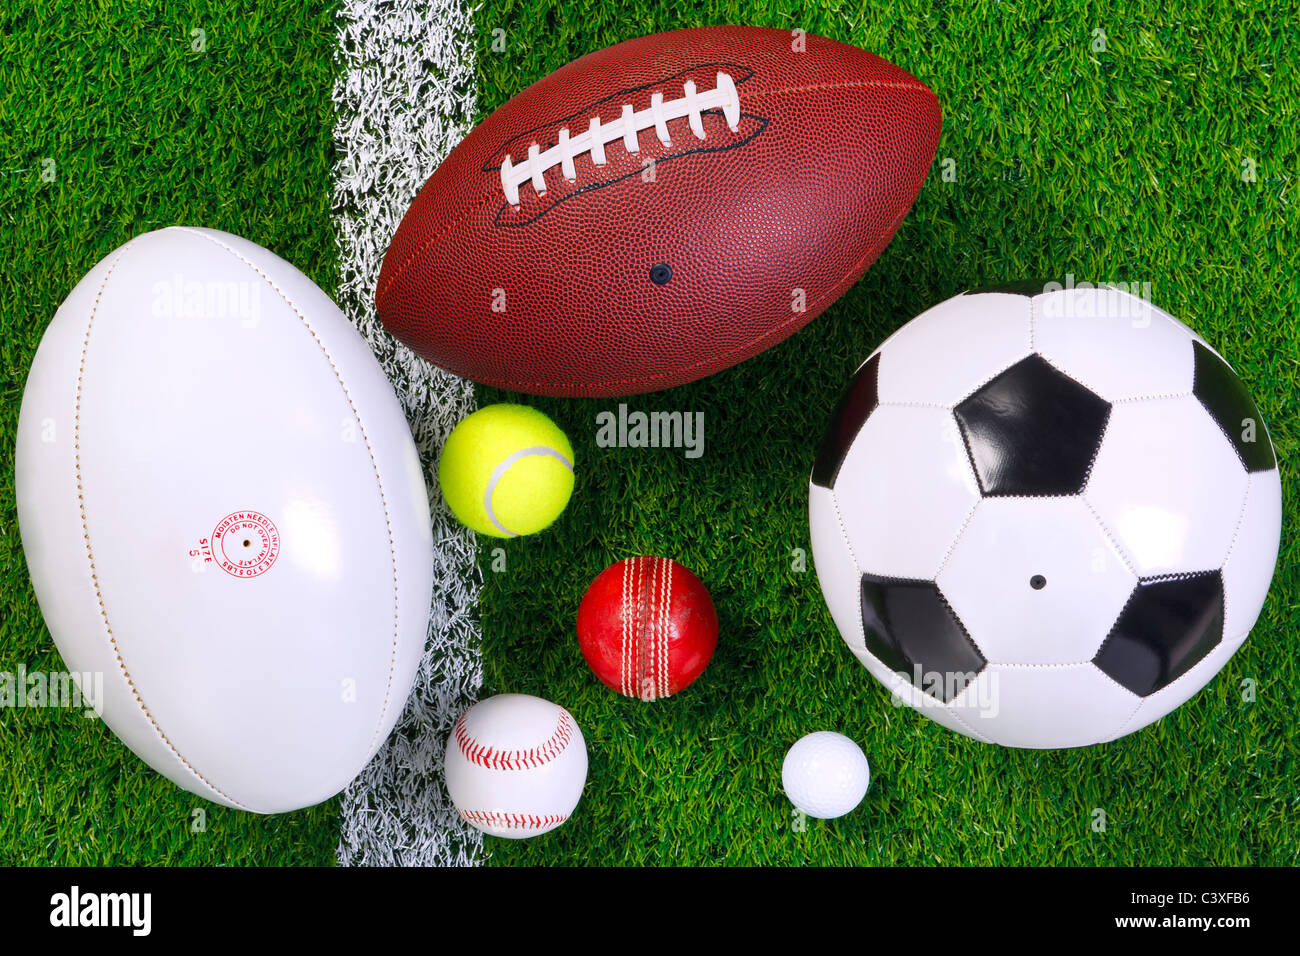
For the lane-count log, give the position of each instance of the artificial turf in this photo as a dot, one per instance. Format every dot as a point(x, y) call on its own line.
point(1162, 149)
point(1122, 163)
point(140, 129)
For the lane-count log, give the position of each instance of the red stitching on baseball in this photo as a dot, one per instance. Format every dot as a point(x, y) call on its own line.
point(544, 753)
point(511, 820)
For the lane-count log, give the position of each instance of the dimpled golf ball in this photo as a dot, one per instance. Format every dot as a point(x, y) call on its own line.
point(825, 774)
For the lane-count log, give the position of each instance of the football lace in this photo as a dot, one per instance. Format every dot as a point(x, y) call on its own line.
point(627, 127)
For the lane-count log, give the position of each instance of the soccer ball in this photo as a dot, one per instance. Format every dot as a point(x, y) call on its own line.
point(1045, 516)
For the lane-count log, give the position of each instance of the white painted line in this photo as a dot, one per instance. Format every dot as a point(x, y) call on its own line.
point(404, 97)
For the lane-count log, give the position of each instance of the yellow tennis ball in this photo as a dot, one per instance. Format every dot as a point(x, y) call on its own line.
point(506, 470)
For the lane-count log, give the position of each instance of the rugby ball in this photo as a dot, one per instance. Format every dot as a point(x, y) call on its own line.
point(225, 519)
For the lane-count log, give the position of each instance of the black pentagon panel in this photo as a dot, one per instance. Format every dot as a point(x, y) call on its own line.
point(1218, 388)
point(1032, 431)
point(1166, 628)
point(1026, 287)
point(912, 629)
point(857, 403)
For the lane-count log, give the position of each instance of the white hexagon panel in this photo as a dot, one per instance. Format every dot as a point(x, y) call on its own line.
point(1044, 707)
point(994, 330)
point(1118, 345)
point(1167, 486)
point(1029, 598)
point(902, 453)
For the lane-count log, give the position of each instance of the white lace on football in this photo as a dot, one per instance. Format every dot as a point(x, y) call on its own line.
point(627, 128)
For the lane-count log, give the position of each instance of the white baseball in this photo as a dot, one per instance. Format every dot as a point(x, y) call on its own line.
point(516, 765)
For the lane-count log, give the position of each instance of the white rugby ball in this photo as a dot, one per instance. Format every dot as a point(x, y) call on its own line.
point(224, 515)
point(516, 765)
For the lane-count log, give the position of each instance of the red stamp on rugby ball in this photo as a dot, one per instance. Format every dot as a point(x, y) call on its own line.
point(244, 544)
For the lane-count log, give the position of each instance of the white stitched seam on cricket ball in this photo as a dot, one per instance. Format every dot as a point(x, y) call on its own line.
point(631, 574)
point(665, 619)
point(627, 127)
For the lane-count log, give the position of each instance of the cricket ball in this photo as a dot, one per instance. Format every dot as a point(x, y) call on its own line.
point(647, 627)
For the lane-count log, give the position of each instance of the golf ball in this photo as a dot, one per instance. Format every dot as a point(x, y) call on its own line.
point(825, 774)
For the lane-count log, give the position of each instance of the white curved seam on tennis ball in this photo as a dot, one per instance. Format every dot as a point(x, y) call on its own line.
point(500, 470)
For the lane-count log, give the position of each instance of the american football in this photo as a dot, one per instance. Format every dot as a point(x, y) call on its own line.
point(658, 211)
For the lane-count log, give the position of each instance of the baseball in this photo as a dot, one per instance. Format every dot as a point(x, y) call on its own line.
point(516, 765)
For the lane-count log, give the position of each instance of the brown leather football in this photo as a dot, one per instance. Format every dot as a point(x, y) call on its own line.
point(658, 211)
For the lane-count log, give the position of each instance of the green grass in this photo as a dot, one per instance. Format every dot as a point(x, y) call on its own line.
point(1114, 165)
point(144, 132)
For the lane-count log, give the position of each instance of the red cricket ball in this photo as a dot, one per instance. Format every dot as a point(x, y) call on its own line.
point(647, 627)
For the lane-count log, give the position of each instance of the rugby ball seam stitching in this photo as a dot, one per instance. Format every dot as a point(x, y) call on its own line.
point(484, 755)
point(370, 451)
point(90, 551)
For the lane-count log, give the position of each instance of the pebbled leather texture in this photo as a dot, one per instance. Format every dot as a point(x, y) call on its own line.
point(556, 296)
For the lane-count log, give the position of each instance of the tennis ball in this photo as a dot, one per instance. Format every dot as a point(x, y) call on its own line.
point(506, 470)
